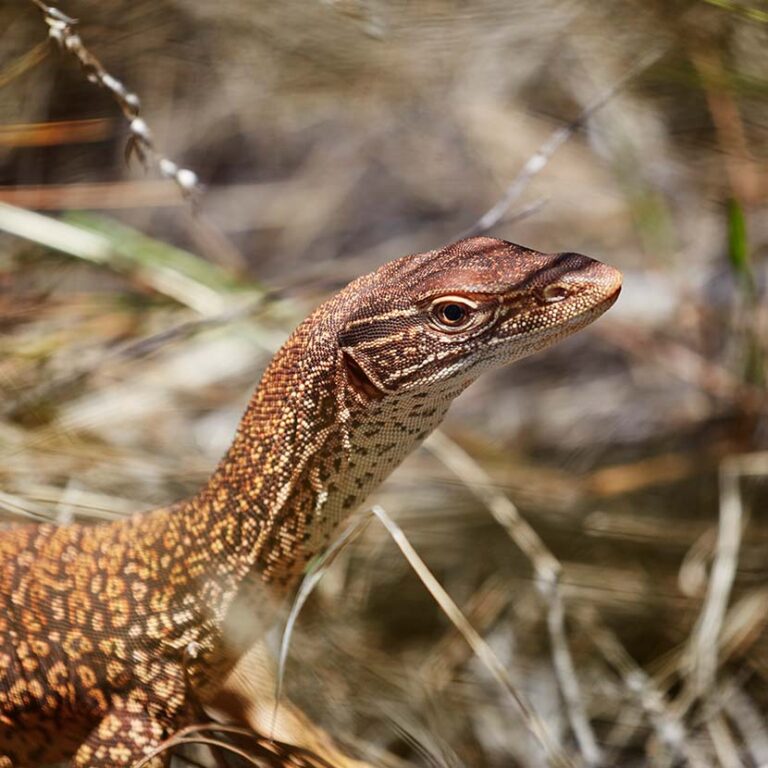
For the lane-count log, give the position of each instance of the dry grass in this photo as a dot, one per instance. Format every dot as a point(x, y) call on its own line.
point(619, 580)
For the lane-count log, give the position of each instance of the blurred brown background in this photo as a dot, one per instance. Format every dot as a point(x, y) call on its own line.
point(332, 136)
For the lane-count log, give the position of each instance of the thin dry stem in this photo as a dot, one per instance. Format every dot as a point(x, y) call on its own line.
point(539, 159)
point(722, 740)
point(566, 674)
point(547, 570)
point(747, 719)
point(61, 28)
point(535, 724)
point(704, 641)
point(307, 586)
point(174, 741)
point(743, 176)
point(668, 727)
point(482, 610)
point(18, 67)
point(192, 734)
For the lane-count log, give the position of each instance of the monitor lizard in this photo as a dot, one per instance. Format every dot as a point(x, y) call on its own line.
point(97, 622)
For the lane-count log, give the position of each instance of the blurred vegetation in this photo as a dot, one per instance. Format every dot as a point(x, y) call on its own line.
point(331, 136)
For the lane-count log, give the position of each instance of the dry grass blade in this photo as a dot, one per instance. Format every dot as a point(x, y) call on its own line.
point(547, 569)
point(704, 643)
point(482, 610)
point(566, 674)
point(149, 193)
point(722, 740)
point(15, 505)
point(669, 728)
point(483, 488)
point(170, 271)
point(692, 574)
point(62, 504)
point(538, 161)
point(51, 134)
point(743, 626)
point(749, 721)
point(61, 28)
point(16, 68)
point(274, 752)
point(308, 584)
point(174, 742)
point(535, 724)
point(53, 234)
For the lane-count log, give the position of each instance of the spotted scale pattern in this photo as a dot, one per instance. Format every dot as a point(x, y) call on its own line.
point(112, 636)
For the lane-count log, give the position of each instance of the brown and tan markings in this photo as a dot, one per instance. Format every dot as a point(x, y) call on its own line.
point(96, 622)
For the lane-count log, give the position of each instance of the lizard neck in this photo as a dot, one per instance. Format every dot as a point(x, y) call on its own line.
point(307, 452)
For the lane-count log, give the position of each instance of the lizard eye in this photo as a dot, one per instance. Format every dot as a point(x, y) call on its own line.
point(452, 312)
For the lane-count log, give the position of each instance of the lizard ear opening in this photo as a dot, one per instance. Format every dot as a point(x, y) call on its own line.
point(358, 379)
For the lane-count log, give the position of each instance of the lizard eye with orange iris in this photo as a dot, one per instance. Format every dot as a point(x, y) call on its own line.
point(451, 313)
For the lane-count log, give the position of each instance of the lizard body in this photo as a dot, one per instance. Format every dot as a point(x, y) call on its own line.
point(96, 622)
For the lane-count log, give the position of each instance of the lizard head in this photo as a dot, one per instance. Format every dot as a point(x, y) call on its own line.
point(436, 320)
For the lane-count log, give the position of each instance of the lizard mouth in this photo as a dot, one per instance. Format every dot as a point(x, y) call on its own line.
point(612, 293)
point(359, 380)
point(610, 299)
point(601, 305)
point(604, 283)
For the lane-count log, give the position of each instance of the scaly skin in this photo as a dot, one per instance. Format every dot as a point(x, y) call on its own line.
point(98, 624)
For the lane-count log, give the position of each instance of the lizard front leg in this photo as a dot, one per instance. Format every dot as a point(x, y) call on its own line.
point(121, 739)
point(138, 720)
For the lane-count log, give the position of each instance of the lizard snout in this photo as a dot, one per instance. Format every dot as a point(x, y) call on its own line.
point(584, 272)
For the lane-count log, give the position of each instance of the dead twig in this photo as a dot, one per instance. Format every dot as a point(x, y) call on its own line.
point(18, 67)
point(722, 740)
point(704, 642)
point(547, 570)
point(668, 727)
point(61, 28)
point(535, 724)
point(55, 133)
point(482, 610)
point(740, 167)
point(539, 159)
point(267, 751)
point(747, 719)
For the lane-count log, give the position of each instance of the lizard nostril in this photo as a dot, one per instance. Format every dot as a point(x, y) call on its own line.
point(554, 293)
